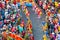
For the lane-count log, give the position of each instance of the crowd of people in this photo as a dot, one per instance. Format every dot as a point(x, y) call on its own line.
point(37, 10)
point(51, 25)
point(11, 20)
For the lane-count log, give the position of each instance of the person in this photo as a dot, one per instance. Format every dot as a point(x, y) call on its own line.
point(10, 18)
point(58, 15)
point(4, 35)
point(23, 34)
point(58, 36)
point(56, 4)
point(45, 37)
point(41, 4)
point(36, 1)
point(20, 28)
point(31, 37)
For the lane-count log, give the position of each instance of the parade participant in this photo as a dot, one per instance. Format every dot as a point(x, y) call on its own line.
point(14, 2)
point(0, 4)
point(4, 35)
point(58, 15)
point(20, 28)
point(13, 29)
point(56, 4)
point(58, 36)
point(41, 4)
point(22, 23)
point(10, 19)
point(31, 37)
point(45, 37)
point(23, 34)
point(27, 14)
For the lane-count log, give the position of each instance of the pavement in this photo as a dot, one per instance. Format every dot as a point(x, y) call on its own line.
point(36, 23)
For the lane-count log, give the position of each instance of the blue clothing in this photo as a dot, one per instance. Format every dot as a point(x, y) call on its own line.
point(20, 28)
point(43, 23)
point(18, 4)
point(2, 12)
point(28, 4)
point(59, 22)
